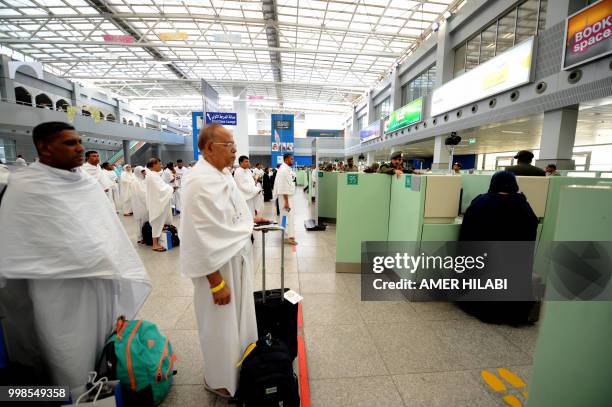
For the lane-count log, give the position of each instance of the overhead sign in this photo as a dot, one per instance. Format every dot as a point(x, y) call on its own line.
point(124, 39)
point(174, 36)
point(370, 133)
point(405, 116)
point(324, 133)
point(588, 34)
point(226, 119)
point(256, 97)
point(196, 125)
point(506, 71)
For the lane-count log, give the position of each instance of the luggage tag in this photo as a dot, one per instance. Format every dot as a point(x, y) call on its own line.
point(293, 297)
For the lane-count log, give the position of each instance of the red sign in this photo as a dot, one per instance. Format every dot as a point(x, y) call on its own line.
point(255, 97)
point(124, 39)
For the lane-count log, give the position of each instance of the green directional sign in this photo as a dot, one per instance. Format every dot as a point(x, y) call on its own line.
point(320, 174)
point(408, 181)
point(405, 116)
point(472, 141)
point(352, 179)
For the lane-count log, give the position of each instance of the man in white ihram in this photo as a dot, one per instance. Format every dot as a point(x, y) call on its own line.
point(159, 195)
point(62, 236)
point(284, 188)
point(216, 253)
point(138, 196)
point(92, 167)
point(246, 183)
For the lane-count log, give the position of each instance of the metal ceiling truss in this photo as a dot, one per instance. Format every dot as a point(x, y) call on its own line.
point(317, 52)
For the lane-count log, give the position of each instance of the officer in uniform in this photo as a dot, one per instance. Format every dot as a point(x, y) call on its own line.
point(396, 166)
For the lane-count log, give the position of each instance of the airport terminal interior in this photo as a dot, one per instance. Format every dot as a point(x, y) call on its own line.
point(217, 202)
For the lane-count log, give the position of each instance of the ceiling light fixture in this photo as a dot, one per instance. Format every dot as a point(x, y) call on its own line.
point(512, 132)
point(447, 14)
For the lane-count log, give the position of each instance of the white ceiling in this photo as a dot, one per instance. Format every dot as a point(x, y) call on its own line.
point(323, 53)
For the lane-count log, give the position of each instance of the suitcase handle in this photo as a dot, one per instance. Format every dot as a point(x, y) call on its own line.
point(264, 230)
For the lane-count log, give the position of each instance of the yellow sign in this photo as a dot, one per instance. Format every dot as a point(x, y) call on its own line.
point(174, 36)
point(71, 112)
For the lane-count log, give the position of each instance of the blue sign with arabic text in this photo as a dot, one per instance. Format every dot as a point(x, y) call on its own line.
point(224, 118)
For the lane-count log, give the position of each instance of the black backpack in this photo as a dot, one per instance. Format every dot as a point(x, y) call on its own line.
point(267, 378)
point(147, 234)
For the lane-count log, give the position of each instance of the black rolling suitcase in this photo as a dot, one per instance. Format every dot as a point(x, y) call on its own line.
point(276, 315)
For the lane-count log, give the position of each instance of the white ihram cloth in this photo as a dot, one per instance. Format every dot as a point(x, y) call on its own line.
point(101, 176)
point(159, 195)
point(60, 234)
point(171, 179)
point(284, 184)
point(138, 197)
point(112, 175)
point(127, 177)
point(216, 226)
point(180, 174)
point(250, 190)
point(259, 200)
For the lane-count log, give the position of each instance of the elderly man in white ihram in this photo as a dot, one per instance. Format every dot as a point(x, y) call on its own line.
point(61, 236)
point(216, 253)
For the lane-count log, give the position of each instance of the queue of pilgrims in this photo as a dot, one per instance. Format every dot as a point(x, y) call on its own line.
point(66, 257)
point(152, 193)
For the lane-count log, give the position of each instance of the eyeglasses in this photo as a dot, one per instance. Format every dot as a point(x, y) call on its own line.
point(230, 144)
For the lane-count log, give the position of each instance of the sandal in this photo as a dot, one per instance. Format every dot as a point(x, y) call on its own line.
point(159, 249)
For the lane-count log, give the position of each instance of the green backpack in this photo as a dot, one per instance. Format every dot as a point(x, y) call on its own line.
point(142, 357)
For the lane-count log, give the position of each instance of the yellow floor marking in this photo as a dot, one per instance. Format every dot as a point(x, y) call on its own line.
point(512, 401)
point(511, 378)
point(493, 381)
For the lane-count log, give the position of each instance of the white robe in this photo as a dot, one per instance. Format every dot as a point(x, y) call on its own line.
point(126, 179)
point(216, 226)
point(284, 184)
point(138, 196)
point(101, 176)
point(82, 270)
point(159, 195)
point(20, 161)
point(172, 180)
point(112, 175)
point(250, 190)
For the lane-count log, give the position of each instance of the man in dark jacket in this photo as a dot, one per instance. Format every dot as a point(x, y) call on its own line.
point(396, 166)
point(524, 167)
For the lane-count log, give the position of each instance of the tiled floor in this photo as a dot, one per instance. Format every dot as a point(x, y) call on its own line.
point(359, 353)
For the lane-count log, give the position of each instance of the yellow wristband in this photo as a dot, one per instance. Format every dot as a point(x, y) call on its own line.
point(218, 288)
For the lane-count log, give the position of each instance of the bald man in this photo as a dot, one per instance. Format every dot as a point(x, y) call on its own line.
point(216, 253)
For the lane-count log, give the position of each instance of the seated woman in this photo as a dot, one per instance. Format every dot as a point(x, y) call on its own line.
point(502, 214)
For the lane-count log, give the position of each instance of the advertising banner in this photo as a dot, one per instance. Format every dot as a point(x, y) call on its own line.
point(283, 136)
point(405, 116)
point(371, 132)
point(506, 71)
point(588, 34)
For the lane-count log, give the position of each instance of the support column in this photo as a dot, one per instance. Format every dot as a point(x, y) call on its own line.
point(396, 90)
point(127, 158)
point(241, 130)
point(558, 12)
point(558, 135)
point(354, 129)
point(156, 150)
point(7, 87)
point(370, 108)
point(370, 158)
point(441, 157)
point(445, 56)
point(76, 94)
point(119, 111)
